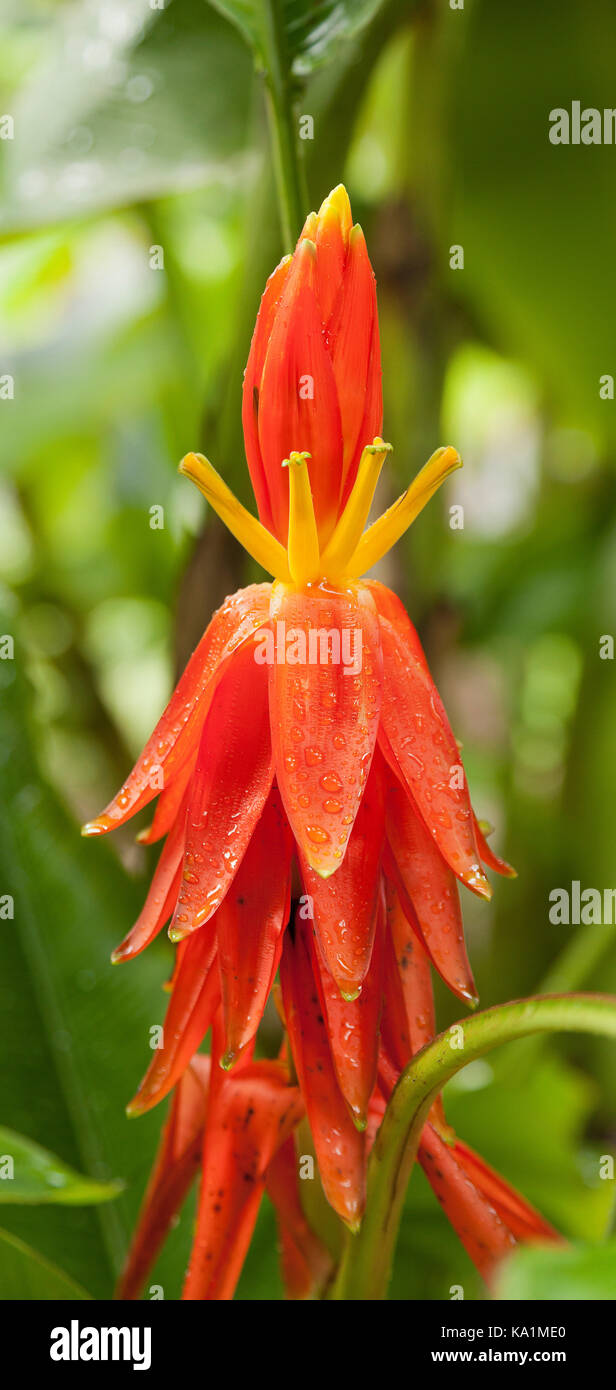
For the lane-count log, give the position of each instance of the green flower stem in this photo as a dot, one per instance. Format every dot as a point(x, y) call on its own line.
point(365, 1268)
point(290, 179)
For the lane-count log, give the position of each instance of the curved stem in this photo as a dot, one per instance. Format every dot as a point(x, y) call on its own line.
point(290, 179)
point(365, 1267)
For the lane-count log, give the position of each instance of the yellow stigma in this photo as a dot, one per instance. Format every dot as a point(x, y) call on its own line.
point(350, 550)
point(303, 544)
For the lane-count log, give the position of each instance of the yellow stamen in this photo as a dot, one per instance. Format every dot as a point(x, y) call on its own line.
point(254, 537)
point(383, 534)
point(303, 548)
point(342, 545)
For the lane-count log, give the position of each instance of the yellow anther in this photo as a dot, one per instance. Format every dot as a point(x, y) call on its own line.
point(254, 537)
point(303, 547)
point(342, 545)
point(383, 534)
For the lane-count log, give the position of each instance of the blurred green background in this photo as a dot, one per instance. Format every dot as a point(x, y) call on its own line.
point(139, 126)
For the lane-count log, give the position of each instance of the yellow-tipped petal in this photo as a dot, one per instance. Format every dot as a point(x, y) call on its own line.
point(303, 548)
point(254, 537)
point(383, 534)
point(342, 545)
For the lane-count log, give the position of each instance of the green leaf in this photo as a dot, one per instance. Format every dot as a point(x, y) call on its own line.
point(36, 1175)
point(25, 1274)
point(313, 31)
point(580, 1272)
point(152, 102)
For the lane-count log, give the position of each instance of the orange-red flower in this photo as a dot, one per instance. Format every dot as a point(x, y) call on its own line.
point(305, 754)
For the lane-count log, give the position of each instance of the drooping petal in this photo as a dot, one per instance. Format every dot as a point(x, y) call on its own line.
point(525, 1223)
point(251, 1114)
point(176, 1166)
point(485, 1237)
point(429, 893)
point(417, 741)
point(298, 404)
point(179, 728)
point(169, 803)
point(353, 1027)
point(344, 906)
point(414, 973)
point(488, 857)
point(194, 999)
point(339, 1145)
point(162, 894)
point(306, 1263)
point(324, 707)
point(252, 388)
point(350, 337)
point(229, 788)
point(249, 925)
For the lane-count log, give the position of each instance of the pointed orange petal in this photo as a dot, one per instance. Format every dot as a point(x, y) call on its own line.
point(485, 1237)
point(306, 1263)
point(229, 788)
point(429, 894)
point(344, 907)
point(488, 857)
point(193, 1003)
point(252, 390)
point(351, 342)
point(162, 894)
point(332, 233)
point(324, 712)
point(414, 971)
point(249, 925)
point(353, 1028)
point(178, 730)
point(251, 1114)
point(525, 1223)
point(176, 1165)
point(298, 404)
point(339, 1145)
point(418, 744)
point(169, 803)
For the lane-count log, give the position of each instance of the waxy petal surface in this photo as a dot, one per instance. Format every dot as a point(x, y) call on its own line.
point(250, 1115)
point(417, 741)
point(249, 925)
point(162, 894)
point(229, 789)
point(179, 728)
point(324, 714)
point(176, 1166)
point(353, 1028)
point(339, 1145)
point(251, 399)
point(429, 886)
point(298, 404)
point(192, 1006)
point(485, 1237)
point(344, 907)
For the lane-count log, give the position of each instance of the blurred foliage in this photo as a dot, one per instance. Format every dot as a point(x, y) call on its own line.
point(140, 130)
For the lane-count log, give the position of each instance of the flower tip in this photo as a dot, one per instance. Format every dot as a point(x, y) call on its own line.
point(352, 1223)
point(135, 1108)
point(351, 995)
point(360, 1122)
point(336, 207)
point(226, 1062)
point(143, 838)
point(100, 826)
point(177, 934)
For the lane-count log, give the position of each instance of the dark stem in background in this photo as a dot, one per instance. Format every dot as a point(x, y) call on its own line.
point(290, 179)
